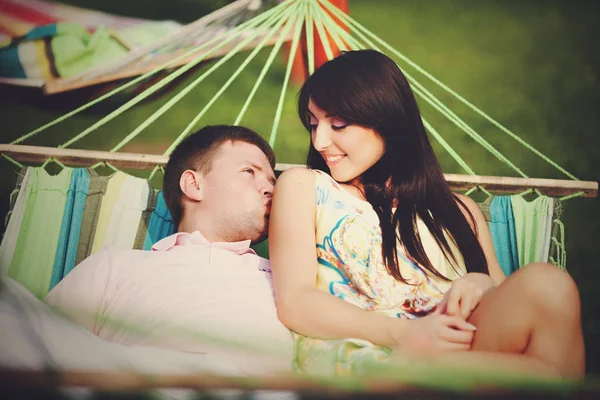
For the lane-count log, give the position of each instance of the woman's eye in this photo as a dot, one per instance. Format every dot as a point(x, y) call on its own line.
point(249, 170)
point(338, 124)
point(313, 126)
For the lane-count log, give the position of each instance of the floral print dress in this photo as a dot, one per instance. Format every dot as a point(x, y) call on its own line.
point(350, 266)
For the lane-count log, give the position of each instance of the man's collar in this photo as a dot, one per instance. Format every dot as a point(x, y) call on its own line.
point(196, 239)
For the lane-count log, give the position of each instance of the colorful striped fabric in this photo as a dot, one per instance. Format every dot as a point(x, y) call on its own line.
point(126, 213)
point(91, 212)
point(14, 219)
point(57, 221)
point(115, 184)
point(533, 225)
point(525, 231)
point(66, 249)
point(45, 40)
point(17, 17)
point(38, 238)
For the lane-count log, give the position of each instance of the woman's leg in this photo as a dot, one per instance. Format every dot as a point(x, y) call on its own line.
point(528, 326)
point(535, 313)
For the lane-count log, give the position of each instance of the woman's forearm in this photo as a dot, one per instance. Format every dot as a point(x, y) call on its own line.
point(314, 313)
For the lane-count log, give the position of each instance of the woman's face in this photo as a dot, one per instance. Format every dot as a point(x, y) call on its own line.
point(348, 150)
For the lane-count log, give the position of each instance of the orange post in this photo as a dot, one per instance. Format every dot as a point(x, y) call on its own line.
point(300, 65)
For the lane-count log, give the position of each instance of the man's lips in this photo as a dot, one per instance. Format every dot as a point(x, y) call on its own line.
point(268, 208)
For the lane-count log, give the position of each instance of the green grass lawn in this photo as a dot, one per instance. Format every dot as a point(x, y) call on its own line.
point(533, 65)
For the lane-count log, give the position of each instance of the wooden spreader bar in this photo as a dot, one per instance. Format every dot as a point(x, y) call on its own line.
point(459, 183)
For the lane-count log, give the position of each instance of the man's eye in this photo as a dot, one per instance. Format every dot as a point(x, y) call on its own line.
point(249, 170)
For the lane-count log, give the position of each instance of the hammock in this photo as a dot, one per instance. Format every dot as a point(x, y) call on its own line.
point(61, 48)
point(41, 41)
point(88, 206)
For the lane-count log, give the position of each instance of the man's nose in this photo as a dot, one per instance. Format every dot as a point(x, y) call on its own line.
point(321, 138)
point(267, 189)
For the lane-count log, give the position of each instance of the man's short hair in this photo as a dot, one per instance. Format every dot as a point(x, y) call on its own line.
point(196, 152)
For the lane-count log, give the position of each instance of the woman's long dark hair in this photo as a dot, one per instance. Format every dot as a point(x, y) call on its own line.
point(367, 88)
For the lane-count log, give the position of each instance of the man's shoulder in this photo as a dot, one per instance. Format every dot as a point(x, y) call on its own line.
point(109, 255)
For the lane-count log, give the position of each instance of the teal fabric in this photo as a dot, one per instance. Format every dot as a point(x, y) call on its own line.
point(66, 251)
point(40, 32)
point(161, 224)
point(504, 236)
point(10, 64)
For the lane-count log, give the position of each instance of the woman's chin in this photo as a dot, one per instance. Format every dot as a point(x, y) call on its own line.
point(342, 177)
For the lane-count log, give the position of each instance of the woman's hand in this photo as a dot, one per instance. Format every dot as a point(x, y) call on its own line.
point(465, 294)
point(435, 333)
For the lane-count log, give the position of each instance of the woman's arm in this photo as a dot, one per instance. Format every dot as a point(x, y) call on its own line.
point(485, 238)
point(466, 292)
point(292, 251)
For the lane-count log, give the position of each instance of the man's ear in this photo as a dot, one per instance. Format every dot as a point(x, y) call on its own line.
point(192, 185)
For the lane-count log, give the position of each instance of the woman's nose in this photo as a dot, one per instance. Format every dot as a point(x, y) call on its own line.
point(321, 138)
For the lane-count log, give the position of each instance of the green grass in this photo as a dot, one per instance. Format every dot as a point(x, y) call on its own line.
point(532, 65)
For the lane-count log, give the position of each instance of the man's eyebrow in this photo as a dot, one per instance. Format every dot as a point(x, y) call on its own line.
point(272, 178)
point(255, 166)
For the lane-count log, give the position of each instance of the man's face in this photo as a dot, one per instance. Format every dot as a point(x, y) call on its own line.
point(238, 191)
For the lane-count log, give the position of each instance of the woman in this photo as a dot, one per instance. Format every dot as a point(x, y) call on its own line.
point(401, 263)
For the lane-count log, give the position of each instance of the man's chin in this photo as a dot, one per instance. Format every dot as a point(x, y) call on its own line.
point(262, 236)
point(260, 239)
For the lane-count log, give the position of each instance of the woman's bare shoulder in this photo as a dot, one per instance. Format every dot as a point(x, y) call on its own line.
point(296, 177)
point(294, 184)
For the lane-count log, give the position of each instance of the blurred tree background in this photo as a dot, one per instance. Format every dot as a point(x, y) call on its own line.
point(533, 65)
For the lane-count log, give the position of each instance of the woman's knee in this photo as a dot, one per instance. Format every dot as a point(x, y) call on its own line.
point(548, 287)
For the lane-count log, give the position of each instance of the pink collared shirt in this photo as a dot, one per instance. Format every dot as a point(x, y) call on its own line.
point(197, 239)
point(187, 294)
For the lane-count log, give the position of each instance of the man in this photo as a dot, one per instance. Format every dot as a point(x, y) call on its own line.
point(203, 289)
